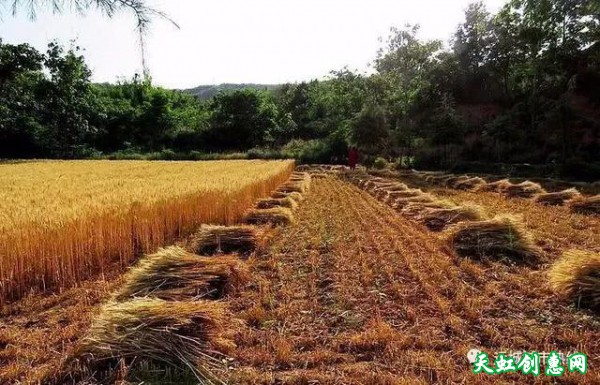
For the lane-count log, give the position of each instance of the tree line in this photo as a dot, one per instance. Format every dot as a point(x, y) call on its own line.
point(515, 89)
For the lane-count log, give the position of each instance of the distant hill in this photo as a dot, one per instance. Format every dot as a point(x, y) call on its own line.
point(208, 91)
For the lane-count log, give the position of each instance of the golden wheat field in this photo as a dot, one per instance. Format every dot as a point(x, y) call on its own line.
point(63, 221)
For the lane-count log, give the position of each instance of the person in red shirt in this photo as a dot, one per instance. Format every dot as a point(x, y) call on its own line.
point(352, 157)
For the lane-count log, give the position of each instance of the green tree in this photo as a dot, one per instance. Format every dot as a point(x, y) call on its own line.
point(20, 73)
point(241, 119)
point(369, 130)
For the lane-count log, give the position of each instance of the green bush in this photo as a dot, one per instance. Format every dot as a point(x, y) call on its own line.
point(380, 163)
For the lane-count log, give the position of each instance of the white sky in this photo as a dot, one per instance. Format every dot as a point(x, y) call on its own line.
point(239, 41)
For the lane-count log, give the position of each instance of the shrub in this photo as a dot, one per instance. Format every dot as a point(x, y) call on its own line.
point(380, 163)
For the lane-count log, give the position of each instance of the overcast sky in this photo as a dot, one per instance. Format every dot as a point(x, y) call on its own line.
point(239, 41)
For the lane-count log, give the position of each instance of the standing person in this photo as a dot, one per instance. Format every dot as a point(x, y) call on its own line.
point(352, 157)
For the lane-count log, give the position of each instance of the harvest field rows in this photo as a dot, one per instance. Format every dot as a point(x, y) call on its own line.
point(347, 290)
point(355, 293)
point(64, 221)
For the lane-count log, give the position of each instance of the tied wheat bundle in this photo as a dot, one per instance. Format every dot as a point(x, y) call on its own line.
point(379, 185)
point(400, 203)
point(288, 187)
point(501, 238)
point(586, 205)
point(470, 184)
point(381, 192)
point(293, 195)
point(277, 216)
point(414, 209)
point(174, 274)
point(525, 189)
point(270, 203)
point(575, 277)
point(558, 198)
point(181, 335)
point(437, 219)
point(372, 181)
point(392, 196)
point(224, 239)
point(497, 186)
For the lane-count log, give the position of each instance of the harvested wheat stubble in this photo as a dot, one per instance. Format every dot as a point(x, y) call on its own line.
point(182, 335)
point(497, 186)
point(224, 239)
point(557, 198)
point(174, 274)
point(525, 189)
point(276, 216)
point(502, 237)
point(437, 219)
point(413, 209)
point(293, 195)
point(469, 184)
point(586, 205)
point(276, 202)
point(575, 277)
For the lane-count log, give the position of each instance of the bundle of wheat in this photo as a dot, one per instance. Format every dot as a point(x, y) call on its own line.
point(497, 186)
point(372, 181)
point(437, 219)
point(469, 184)
point(270, 203)
point(303, 175)
point(380, 192)
point(320, 175)
point(414, 209)
point(437, 179)
point(586, 205)
point(181, 335)
point(576, 278)
point(503, 237)
point(293, 195)
point(557, 198)
point(391, 196)
point(401, 203)
point(174, 274)
point(276, 216)
point(379, 185)
point(525, 189)
point(224, 239)
point(454, 181)
point(288, 187)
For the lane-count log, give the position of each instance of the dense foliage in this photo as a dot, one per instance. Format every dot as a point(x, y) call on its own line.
point(518, 87)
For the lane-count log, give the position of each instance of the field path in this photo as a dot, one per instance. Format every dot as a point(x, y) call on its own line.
point(353, 293)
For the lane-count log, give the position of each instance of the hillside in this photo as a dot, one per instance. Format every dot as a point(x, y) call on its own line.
point(208, 91)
